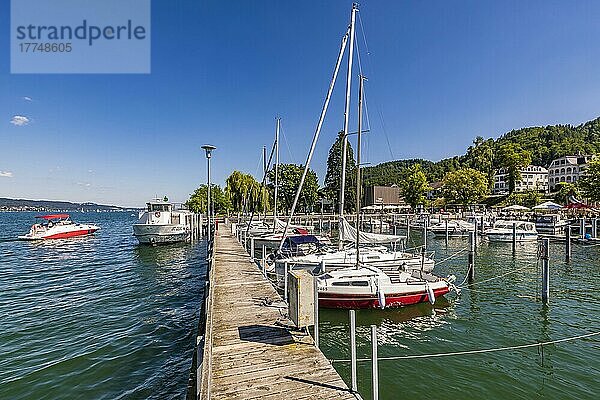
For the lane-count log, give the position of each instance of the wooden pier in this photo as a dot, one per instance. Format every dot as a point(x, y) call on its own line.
point(251, 350)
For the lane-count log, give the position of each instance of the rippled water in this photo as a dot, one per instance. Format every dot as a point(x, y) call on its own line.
point(96, 317)
point(501, 312)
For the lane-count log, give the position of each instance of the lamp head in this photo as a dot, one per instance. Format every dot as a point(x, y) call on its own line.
point(208, 149)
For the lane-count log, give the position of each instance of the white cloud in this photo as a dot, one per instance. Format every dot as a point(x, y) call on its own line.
point(90, 171)
point(19, 120)
point(86, 184)
point(27, 98)
point(6, 174)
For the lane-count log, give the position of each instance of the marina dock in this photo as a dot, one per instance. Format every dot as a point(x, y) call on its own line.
point(251, 349)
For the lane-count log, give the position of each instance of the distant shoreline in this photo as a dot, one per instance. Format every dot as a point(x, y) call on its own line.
point(15, 205)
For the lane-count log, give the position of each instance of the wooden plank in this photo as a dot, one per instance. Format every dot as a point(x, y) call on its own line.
point(250, 351)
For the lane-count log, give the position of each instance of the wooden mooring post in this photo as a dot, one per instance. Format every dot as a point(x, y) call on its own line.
point(568, 243)
point(545, 251)
point(514, 238)
point(447, 233)
point(471, 270)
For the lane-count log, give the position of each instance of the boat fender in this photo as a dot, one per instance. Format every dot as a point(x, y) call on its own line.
point(157, 214)
point(381, 297)
point(430, 293)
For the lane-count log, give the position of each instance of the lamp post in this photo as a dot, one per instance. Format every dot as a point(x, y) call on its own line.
point(208, 149)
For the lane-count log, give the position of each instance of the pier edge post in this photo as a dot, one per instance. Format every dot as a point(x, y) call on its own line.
point(264, 259)
point(316, 311)
point(374, 364)
point(285, 280)
point(354, 385)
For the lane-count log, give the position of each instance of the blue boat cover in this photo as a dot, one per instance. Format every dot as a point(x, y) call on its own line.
point(301, 239)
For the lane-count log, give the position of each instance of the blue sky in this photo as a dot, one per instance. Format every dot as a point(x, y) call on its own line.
point(440, 73)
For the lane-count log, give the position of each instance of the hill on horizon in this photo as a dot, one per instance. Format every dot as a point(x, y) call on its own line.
point(7, 203)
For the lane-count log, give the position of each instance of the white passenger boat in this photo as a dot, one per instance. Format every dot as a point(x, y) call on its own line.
point(502, 231)
point(57, 226)
point(161, 224)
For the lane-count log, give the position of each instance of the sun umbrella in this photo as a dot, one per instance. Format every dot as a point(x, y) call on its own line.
point(515, 207)
point(548, 205)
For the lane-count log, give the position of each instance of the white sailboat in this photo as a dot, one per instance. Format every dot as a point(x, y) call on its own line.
point(502, 231)
point(455, 228)
point(371, 249)
point(270, 235)
point(360, 286)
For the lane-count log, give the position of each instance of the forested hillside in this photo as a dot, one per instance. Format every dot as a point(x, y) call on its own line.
point(544, 142)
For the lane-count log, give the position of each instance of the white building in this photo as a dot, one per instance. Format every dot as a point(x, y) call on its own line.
point(533, 177)
point(567, 169)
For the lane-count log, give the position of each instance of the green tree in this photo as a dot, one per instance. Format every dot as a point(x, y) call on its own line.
point(289, 180)
point(333, 177)
point(512, 157)
point(465, 186)
point(414, 186)
point(564, 190)
point(527, 198)
point(245, 194)
point(198, 200)
point(590, 183)
point(480, 156)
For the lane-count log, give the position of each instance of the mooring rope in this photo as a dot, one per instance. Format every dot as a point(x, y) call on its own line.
point(461, 286)
point(452, 256)
point(468, 352)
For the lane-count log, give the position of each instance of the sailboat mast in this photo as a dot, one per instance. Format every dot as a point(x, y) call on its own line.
point(276, 173)
point(358, 186)
point(316, 135)
point(264, 175)
point(346, 117)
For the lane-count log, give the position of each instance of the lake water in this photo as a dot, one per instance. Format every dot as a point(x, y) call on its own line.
point(96, 317)
point(103, 318)
point(501, 312)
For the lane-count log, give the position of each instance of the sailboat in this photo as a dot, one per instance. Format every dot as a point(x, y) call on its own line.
point(360, 285)
point(270, 235)
point(364, 286)
point(372, 252)
point(375, 254)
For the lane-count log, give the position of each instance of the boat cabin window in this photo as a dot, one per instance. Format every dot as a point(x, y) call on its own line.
point(158, 207)
point(359, 283)
point(340, 284)
point(326, 276)
point(372, 257)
